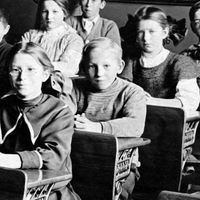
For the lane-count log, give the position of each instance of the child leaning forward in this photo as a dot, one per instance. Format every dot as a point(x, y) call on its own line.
point(104, 103)
point(35, 128)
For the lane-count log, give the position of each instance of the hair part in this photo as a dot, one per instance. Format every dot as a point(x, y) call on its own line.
point(103, 43)
point(33, 50)
point(151, 13)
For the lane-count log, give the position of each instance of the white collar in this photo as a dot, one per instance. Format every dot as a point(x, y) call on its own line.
point(93, 21)
point(149, 62)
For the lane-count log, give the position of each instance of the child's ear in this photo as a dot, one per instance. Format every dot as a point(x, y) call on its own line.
point(166, 32)
point(6, 29)
point(192, 27)
point(103, 4)
point(121, 66)
point(46, 75)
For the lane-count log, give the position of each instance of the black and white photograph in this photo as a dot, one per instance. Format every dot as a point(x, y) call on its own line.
point(99, 100)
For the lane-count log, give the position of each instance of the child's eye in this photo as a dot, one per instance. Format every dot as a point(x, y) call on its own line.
point(15, 70)
point(30, 69)
point(106, 66)
point(91, 66)
point(55, 11)
point(139, 33)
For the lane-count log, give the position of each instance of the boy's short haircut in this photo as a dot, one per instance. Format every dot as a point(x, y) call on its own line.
point(193, 10)
point(4, 17)
point(103, 43)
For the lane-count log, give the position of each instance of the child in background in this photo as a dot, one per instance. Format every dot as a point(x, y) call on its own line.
point(36, 129)
point(90, 25)
point(169, 79)
point(61, 42)
point(103, 102)
point(4, 49)
point(194, 50)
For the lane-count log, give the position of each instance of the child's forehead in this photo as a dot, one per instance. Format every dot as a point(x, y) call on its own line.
point(104, 50)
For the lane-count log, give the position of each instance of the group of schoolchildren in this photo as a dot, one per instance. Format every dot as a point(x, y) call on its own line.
point(37, 127)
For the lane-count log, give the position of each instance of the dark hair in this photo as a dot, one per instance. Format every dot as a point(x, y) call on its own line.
point(193, 10)
point(32, 49)
point(4, 17)
point(63, 4)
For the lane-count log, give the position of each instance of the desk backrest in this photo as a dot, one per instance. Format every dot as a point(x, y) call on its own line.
point(172, 134)
point(12, 184)
point(161, 161)
point(94, 158)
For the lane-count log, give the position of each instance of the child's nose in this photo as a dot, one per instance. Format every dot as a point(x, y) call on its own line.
point(146, 36)
point(89, 2)
point(100, 71)
point(49, 15)
point(22, 75)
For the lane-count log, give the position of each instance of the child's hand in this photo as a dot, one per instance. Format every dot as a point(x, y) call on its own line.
point(84, 124)
point(10, 160)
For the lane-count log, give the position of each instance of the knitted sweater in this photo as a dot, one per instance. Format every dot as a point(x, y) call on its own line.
point(62, 45)
point(160, 81)
point(102, 28)
point(121, 108)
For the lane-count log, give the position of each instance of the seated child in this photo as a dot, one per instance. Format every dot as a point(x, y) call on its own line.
point(60, 41)
point(90, 25)
point(169, 79)
point(105, 103)
point(194, 50)
point(36, 128)
point(4, 49)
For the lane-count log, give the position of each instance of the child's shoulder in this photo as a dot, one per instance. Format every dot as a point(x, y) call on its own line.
point(52, 101)
point(108, 22)
point(129, 86)
point(74, 20)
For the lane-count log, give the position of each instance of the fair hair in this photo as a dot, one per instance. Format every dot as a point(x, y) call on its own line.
point(103, 43)
point(33, 50)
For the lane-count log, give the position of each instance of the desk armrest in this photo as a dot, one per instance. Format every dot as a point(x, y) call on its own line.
point(131, 142)
point(169, 195)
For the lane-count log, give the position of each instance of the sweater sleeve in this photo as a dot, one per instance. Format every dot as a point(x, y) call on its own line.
point(132, 122)
point(53, 146)
point(68, 63)
point(112, 32)
point(185, 67)
point(187, 91)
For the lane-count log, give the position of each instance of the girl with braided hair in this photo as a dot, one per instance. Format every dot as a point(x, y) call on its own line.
point(169, 79)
